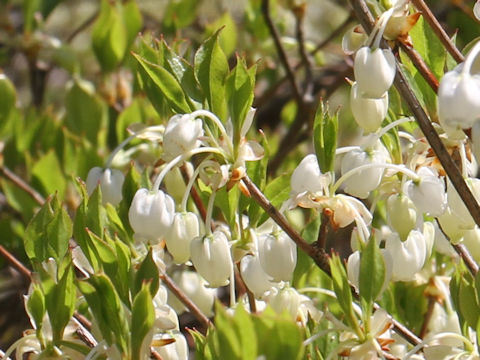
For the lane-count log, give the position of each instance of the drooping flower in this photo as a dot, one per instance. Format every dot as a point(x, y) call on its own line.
point(110, 182)
point(185, 227)
point(368, 112)
point(374, 71)
point(182, 134)
point(151, 214)
point(211, 257)
point(255, 278)
point(278, 255)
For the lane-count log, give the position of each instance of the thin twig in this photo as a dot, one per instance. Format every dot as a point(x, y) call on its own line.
point(419, 63)
point(423, 121)
point(89, 21)
point(259, 101)
point(428, 316)
point(281, 51)
point(185, 300)
point(299, 12)
point(322, 231)
point(438, 30)
point(10, 175)
point(15, 263)
point(318, 255)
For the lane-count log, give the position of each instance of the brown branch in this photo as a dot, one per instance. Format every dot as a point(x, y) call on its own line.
point(185, 300)
point(428, 130)
point(281, 51)
point(318, 255)
point(438, 30)
point(299, 12)
point(419, 63)
point(89, 21)
point(22, 185)
point(15, 263)
point(428, 316)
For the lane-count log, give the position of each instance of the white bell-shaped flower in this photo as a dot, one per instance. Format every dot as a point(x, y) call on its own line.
point(151, 214)
point(184, 229)
point(361, 183)
point(459, 210)
point(257, 281)
point(458, 100)
point(427, 193)
point(368, 112)
point(401, 214)
point(211, 257)
point(307, 177)
point(181, 135)
point(476, 9)
point(194, 287)
point(452, 227)
point(408, 257)
point(278, 255)
point(374, 71)
point(110, 181)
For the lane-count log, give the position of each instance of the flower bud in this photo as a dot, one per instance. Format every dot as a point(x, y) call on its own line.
point(151, 214)
point(361, 183)
point(401, 214)
point(368, 112)
point(278, 255)
point(308, 177)
point(110, 181)
point(211, 257)
point(427, 193)
point(184, 228)
point(254, 276)
point(181, 135)
point(374, 71)
point(287, 299)
point(458, 101)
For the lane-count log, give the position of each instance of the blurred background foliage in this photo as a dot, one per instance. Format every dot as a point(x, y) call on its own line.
point(68, 90)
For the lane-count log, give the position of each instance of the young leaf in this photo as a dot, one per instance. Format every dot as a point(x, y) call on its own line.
point(342, 289)
point(35, 239)
point(167, 84)
point(211, 69)
point(148, 272)
point(239, 89)
point(58, 232)
point(60, 302)
point(372, 272)
point(36, 306)
point(325, 128)
point(143, 318)
point(109, 37)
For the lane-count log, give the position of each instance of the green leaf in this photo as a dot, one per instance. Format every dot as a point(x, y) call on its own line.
point(85, 114)
point(227, 201)
point(239, 89)
point(143, 318)
point(132, 20)
point(372, 272)
point(36, 240)
point(243, 325)
point(36, 306)
point(109, 36)
point(47, 172)
point(468, 301)
point(229, 345)
point(167, 84)
point(59, 232)
point(342, 289)
point(147, 272)
point(277, 191)
point(228, 36)
point(179, 14)
point(211, 69)
point(107, 309)
point(8, 98)
point(60, 302)
point(429, 46)
point(325, 129)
